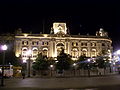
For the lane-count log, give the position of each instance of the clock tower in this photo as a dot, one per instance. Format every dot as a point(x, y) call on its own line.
point(59, 28)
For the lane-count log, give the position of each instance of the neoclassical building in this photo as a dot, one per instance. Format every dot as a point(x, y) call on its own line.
point(50, 44)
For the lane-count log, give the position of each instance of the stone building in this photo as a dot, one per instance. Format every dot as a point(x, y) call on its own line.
point(50, 44)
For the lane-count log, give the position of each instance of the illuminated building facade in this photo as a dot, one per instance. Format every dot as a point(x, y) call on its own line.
point(50, 44)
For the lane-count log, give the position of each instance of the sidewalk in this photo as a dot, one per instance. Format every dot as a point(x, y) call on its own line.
point(60, 83)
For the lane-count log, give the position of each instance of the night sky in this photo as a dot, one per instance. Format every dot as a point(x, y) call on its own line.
point(81, 16)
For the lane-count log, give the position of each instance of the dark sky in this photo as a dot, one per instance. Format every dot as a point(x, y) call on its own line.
point(81, 16)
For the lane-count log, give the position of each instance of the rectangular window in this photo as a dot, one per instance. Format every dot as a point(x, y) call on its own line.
point(32, 42)
point(47, 43)
point(81, 44)
point(22, 42)
point(27, 42)
point(37, 42)
point(42, 43)
point(103, 44)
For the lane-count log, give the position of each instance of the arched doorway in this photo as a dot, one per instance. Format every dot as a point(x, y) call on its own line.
point(59, 47)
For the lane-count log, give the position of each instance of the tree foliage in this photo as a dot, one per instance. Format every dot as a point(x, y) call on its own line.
point(102, 62)
point(64, 61)
point(41, 63)
point(82, 62)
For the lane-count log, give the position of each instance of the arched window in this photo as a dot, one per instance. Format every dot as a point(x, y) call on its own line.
point(24, 42)
point(84, 52)
point(35, 52)
point(58, 51)
point(24, 52)
point(93, 52)
point(45, 52)
point(74, 53)
point(59, 46)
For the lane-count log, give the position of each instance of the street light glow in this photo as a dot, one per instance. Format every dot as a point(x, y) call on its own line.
point(4, 47)
point(28, 53)
point(118, 52)
point(74, 64)
point(88, 60)
point(51, 66)
point(24, 61)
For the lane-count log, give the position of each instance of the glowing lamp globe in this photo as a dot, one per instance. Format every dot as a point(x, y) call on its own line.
point(51, 66)
point(88, 60)
point(74, 64)
point(118, 52)
point(4, 47)
point(29, 52)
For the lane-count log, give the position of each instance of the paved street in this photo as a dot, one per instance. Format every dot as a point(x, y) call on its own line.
point(86, 83)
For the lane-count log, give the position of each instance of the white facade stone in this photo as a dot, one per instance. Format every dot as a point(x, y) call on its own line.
point(51, 44)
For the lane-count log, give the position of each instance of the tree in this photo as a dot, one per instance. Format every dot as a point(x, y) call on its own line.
point(51, 61)
point(82, 62)
point(103, 60)
point(64, 61)
point(41, 63)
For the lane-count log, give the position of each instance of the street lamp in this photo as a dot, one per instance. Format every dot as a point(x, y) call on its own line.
point(51, 67)
point(3, 48)
point(29, 63)
point(74, 65)
point(118, 52)
point(88, 66)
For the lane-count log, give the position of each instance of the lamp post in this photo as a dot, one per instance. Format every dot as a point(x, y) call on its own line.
point(29, 63)
point(3, 48)
point(51, 67)
point(88, 66)
point(74, 65)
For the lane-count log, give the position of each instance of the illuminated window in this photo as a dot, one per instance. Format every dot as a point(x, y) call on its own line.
point(35, 52)
point(45, 52)
point(24, 42)
point(83, 44)
point(93, 44)
point(45, 43)
point(24, 51)
point(84, 52)
point(58, 51)
point(59, 46)
point(74, 44)
point(74, 52)
point(34, 42)
point(93, 52)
